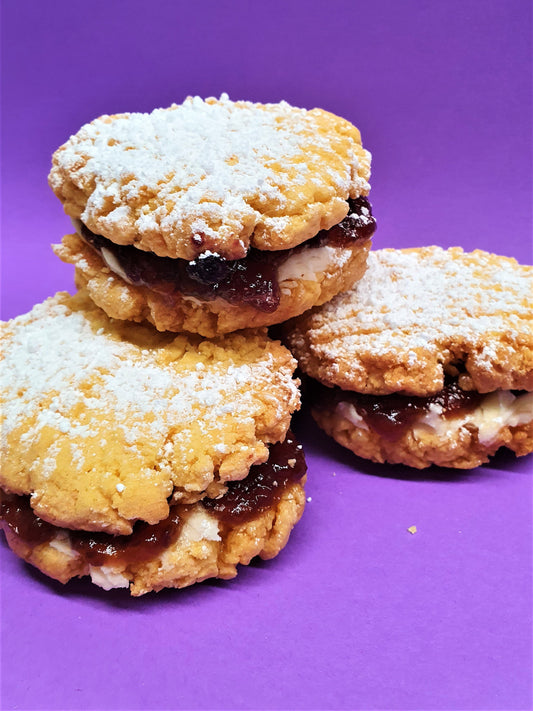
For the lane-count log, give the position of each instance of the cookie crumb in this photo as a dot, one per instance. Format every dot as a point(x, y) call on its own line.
point(412, 529)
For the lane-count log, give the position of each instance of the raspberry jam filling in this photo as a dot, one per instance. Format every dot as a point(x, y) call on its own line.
point(264, 485)
point(391, 415)
point(262, 488)
point(251, 280)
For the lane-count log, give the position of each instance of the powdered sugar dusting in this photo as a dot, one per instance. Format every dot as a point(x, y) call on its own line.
point(416, 311)
point(408, 300)
point(62, 371)
point(211, 166)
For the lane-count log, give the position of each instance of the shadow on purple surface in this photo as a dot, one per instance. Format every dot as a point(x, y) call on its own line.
point(120, 598)
point(505, 460)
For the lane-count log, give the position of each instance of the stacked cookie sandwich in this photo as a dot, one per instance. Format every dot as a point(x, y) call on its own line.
point(428, 359)
point(214, 216)
point(144, 459)
point(146, 443)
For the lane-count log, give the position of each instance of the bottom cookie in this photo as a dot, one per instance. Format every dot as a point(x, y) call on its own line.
point(199, 541)
point(459, 429)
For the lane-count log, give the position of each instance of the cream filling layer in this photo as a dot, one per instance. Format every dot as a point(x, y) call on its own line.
point(107, 577)
point(497, 411)
point(113, 264)
point(308, 264)
point(199, 526)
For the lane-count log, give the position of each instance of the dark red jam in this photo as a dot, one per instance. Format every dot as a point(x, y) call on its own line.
point(15, 512)
point(146, 542)
point(251, 280)
point(359, 224)
point(391, 415)
point(245, 499)
point(263, 486)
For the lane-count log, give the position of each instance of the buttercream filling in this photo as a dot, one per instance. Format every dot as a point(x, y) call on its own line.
point(390, 416)
point(254, 279)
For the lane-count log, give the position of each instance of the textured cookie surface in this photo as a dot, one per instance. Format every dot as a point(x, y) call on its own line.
point(203, 549)
point(305, 280)
point(418, 313)
point(211, 175)
point(103, 421)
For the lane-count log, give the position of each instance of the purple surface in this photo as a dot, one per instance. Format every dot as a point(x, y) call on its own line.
point(356, 612)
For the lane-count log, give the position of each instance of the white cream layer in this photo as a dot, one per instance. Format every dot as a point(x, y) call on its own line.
point(496, 411)
point(309, 263)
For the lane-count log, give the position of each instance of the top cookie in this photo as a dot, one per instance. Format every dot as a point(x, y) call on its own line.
point(211, 175)
point(104, 421)
point(418, 313)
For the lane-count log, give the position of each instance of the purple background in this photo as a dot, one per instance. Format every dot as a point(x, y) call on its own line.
point(356, 613)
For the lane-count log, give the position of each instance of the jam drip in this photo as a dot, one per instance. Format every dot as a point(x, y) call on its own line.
point(263, 486)
point(251, 280)
point(261, 489)
point(17, 514)
point(391, 415)
point(146, 542)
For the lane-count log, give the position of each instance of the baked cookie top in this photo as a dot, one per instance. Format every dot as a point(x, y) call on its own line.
point(104, 421)
point(213, 175)
point(418, 313)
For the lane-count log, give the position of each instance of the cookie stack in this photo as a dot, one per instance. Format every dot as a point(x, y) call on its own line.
point(146, 419)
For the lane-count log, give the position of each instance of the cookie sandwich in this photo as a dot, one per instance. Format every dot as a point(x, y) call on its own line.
point(212, 216)
point(428, 359)
point(144, 459)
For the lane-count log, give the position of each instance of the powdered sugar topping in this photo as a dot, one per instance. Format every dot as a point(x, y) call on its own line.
point(206, 168)
point(406, 300)
point(61, 371)
point(415, 311)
